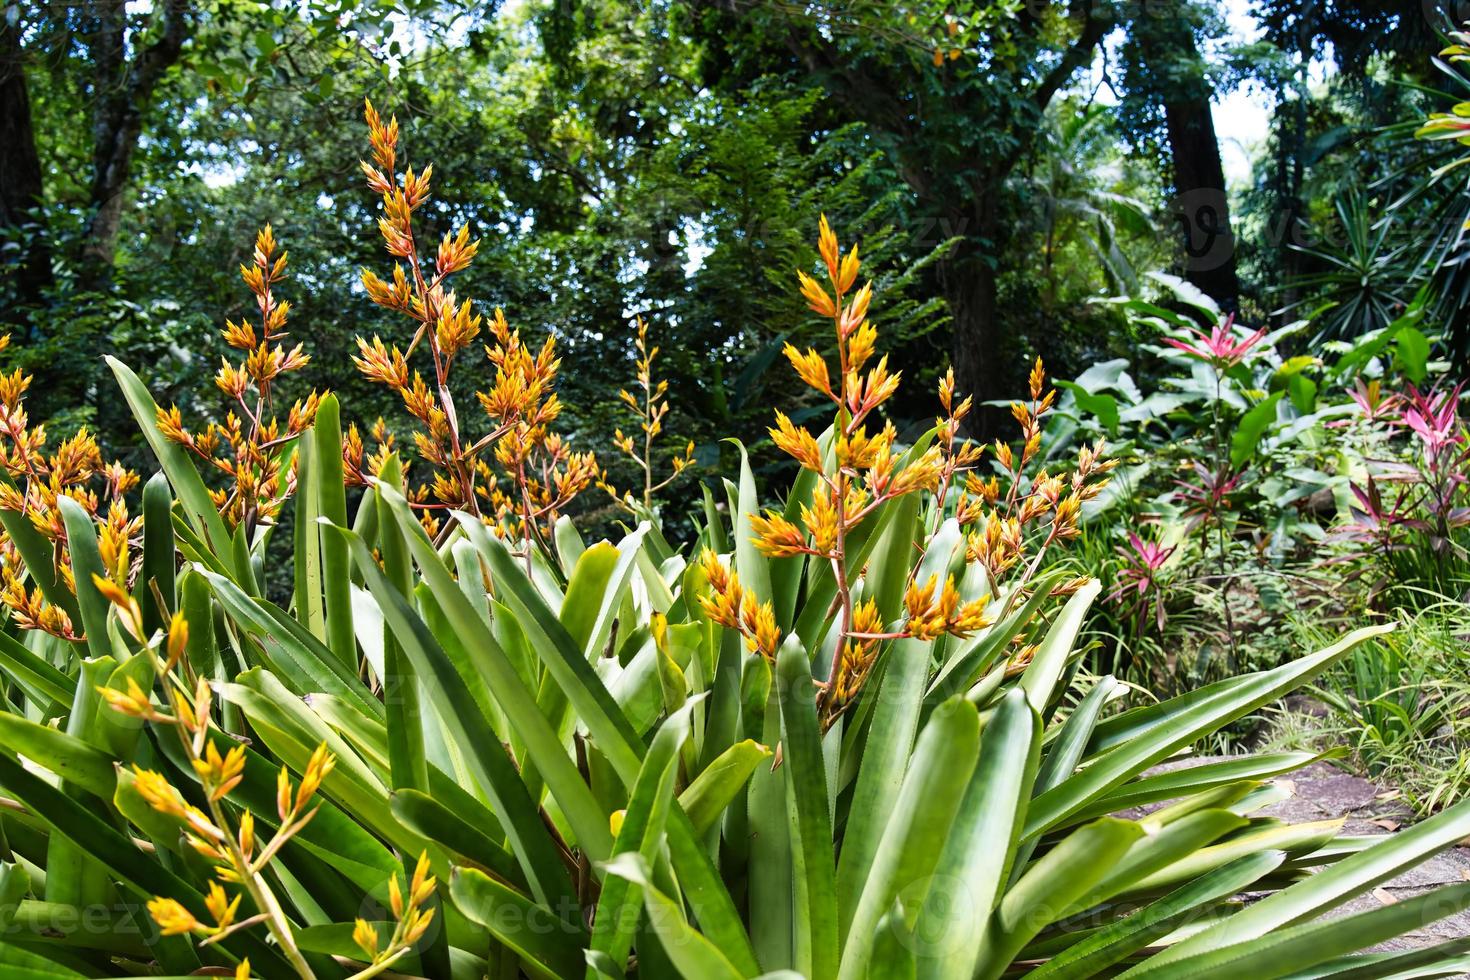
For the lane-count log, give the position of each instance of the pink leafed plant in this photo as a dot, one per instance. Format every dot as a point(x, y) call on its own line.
point(1222, 348)
point(1139, 579)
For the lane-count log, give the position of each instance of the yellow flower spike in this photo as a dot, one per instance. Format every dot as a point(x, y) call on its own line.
point(848, 271)
point(203, 703)
point(776, 537)
point(204, 848)
point(178, 639)
point(796, 442)
point(221, 906)
point(423, 883)
point(134, 702)
point(615, 822)
point(816, 297)
point(365, 937)
point(827, 247)
point(128, 611)
point(395, 897)
point(247, 834)
point(810, 367)
point(419, 924)
point(283, 793)
point(821, 521)
point(317, 769)
point(187, 717)
point(759, 619)
point(172, 918)
point(242, 971)
point(158, 792)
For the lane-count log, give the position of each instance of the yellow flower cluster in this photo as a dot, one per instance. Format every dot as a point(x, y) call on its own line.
point(1005, 529)
point(1010, 519)
point(32, 480)
point(539, 474)
point(731, 606)
point(220, 832)
point(650, 410)
point(247, 447)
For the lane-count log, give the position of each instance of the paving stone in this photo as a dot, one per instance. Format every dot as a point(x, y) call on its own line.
point(1321, 791)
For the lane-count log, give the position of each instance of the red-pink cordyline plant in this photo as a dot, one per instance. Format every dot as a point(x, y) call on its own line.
point(1221, 348)
point(1430, 499)
point(1140, 580)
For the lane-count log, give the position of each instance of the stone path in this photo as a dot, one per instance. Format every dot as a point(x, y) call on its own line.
point(1324, 792)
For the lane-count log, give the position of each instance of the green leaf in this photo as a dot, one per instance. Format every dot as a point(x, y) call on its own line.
point(692, 954)
point(1058, 648)
point(1144, 736)
point(907, 860)
point(1282, 951)
point(66, 755)
point(1411, 353)
point(306, 553)
point(1123, 937)
point(978, 851)
point(159, 560)
point(86, 561)
point(706, 798)
point(41, 680)
point(484, 754)
point(549, 945)
point(294, 652)
point(1052, 888)
point(1331, 886)
point(1099, 405)
point(1252, 428)
point(898, 693)
point(811, 838)
point(432, 819)
point(174, 459)
point(641, 833)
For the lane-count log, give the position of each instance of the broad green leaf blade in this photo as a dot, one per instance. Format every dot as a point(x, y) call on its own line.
point(1173, 727)
point(1057, 649)
point(899, 694)
point(908, 855)
point(86, 561)
point(706, 798)
point(1052, 887)
point(1331, 886)
point(981, 842)
point(641, 833)
point(306, 552)
point(295, 653)
point(331, 493)
point(690, 951)
point(811, 837)
point(159, 560)
point(495, 772)
point(549, 945)
point(428, 817)
point(1281, 952)
point(1121, 939)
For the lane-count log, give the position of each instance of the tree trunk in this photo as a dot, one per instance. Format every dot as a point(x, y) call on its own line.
point(968, 278)
point(1201, 205)
point(21, 183)
point(122, 90)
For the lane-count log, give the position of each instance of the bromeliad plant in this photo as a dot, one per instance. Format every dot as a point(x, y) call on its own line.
point(852, 739)
point(650, 407)
point(540, 474)
point(259, 462)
